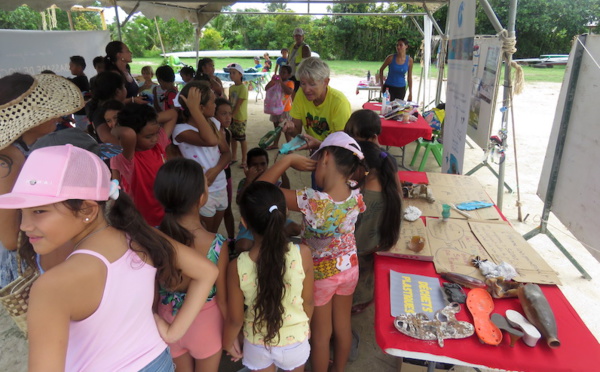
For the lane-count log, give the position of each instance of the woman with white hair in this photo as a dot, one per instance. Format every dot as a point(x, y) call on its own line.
point(317, 107)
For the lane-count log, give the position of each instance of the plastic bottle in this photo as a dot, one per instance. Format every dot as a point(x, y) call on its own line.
point(385, 101)
point(368, 75)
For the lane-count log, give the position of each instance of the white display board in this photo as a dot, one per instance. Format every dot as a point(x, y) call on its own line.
point(34, 51)
point(576, 201)
point(486, 65)
point(461, 31)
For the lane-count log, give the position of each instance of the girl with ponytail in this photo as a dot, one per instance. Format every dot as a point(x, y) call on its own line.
point(381, 194)
point(181, 188)
point(274, 281)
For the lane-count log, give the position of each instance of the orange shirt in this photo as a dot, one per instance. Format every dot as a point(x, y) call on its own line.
point(287, 99)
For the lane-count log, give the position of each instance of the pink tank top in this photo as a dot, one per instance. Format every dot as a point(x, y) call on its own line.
point(121, 334)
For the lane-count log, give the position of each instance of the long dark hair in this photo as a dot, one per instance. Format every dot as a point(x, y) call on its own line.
point(106, 85)
point(112, 49)
point(346, 162)
point(263, 208)
point(363, 124)
point(124, 216)
point(199, 73)
point(387, 175)
point(178, 186)
point(136, 116)
point(205, 90)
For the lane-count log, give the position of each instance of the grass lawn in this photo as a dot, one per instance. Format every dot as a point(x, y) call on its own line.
point(356, 68)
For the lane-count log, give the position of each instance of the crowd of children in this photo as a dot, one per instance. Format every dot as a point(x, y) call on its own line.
point(276, 304)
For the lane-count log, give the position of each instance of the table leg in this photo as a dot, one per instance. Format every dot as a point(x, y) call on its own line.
point(401, 165)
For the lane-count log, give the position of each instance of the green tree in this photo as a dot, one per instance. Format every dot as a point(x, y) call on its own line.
point(277, 7)
point(22, 18)
point(543, 26)
point(211, 40)
point(176, 35)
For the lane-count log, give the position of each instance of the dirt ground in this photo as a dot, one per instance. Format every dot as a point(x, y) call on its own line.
point(534, 113)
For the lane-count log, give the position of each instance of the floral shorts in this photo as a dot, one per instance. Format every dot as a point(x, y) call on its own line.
point(238, 130)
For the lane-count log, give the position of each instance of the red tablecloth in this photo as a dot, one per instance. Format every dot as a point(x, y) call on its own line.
point(395, 133)
point(579, 350)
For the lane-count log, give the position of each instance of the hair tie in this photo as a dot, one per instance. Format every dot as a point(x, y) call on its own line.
point(113, 193)
point(383, 154)
point(272, 208)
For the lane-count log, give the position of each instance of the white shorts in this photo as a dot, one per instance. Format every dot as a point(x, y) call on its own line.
point(217, 201)
point(284, 357)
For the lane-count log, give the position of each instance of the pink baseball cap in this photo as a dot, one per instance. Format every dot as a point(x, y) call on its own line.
point(340, 139)
point(58, 173)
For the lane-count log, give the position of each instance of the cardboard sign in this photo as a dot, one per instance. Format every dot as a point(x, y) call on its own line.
point(504, 244)
point(454, 189)
point(407, 231)
point(454, 243)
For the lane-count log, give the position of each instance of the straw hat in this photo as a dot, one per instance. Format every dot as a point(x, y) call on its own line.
point(49, 96)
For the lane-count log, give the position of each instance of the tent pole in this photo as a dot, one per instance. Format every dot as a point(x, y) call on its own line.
point(130, 14)
point(506, 100)
point(117, 19)
point(70, 17)
point(487, 8)
point(197, 38)
point(162, 46)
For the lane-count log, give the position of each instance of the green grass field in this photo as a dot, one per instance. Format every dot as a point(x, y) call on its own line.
point(356, 68)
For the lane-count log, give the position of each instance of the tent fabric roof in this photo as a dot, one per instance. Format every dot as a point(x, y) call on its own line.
point(180, 9)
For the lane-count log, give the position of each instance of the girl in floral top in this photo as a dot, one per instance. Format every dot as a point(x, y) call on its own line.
point(181, 188)
point(328, 229)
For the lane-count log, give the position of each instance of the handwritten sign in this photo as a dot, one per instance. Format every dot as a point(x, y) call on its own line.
point(407, 231)
point(504, 244)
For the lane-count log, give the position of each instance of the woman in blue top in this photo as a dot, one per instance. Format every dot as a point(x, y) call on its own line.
point(400, 72)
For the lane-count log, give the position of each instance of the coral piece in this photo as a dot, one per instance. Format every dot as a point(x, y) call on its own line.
point(412, 213)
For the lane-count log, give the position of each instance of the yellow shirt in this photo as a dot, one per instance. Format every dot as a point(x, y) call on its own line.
point(295, 326)
point(237, 92)
point(319, 121)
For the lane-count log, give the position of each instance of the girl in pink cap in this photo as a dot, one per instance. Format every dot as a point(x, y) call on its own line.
point(328, 229)
point(93, 312)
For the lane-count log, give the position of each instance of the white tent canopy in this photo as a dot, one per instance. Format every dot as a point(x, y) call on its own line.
point(198, 12)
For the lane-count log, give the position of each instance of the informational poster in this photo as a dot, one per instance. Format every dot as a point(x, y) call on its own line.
point(486, 64)
point(576, 187)
point(461, 31)
point(32, 52)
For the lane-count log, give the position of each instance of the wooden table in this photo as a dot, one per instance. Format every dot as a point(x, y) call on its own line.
point(579, 350)
point(399, 134)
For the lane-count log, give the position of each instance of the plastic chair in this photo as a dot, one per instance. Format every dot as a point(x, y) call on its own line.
point(432, 146)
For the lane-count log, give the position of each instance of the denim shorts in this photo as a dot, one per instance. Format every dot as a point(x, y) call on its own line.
point(162, 363)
